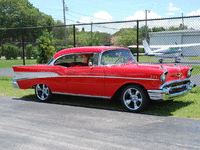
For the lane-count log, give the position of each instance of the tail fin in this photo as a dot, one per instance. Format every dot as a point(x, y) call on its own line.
point(147, 48)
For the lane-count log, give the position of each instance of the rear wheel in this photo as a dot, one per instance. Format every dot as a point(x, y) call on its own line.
point(43, 92)
point(134, 98)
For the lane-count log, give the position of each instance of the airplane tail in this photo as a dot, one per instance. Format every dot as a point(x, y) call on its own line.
point(147, 48)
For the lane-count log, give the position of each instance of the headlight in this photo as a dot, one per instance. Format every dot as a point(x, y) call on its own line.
point(163, 76)
point(189, 72)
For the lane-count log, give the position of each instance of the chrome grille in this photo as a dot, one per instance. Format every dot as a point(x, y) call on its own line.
point(176, 86)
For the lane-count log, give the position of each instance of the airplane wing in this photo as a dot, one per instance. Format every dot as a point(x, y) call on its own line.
point(135, 46)
point(182, 45)
point(166, 46)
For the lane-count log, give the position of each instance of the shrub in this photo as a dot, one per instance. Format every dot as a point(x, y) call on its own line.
point(134, 50)
point(11, 51)
point(70, 46)
point(58, 48)
point(92, 42)
point(45, 47)
point(29, 51)
point(34, 53)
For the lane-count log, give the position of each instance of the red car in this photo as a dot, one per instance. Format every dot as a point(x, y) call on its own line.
point(104, 72)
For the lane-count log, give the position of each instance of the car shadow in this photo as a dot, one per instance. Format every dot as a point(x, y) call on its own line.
point(79, 101)
point(164, 108)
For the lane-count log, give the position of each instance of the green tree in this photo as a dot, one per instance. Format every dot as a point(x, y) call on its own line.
point(29, 51)
point(181, 27)
point(104, 38)
point(125, 37)
point(45, 47)
point(92, 41)
point(21, 13)
point(58, 32)
point(158, 29)
point(11, 51)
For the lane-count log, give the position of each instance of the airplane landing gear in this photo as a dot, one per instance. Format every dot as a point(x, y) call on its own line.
point(160, 60)
point(177, 60)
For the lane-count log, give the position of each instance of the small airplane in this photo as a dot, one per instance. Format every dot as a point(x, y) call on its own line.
point(164, 51)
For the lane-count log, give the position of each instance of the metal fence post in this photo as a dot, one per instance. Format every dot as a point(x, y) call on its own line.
point(91, 30)
point(137, 40)
point(23, 46)
point(74, 31)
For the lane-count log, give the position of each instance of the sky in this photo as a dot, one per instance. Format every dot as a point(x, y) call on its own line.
point(86, 11)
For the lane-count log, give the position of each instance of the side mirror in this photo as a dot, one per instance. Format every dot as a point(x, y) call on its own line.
point(90, 64)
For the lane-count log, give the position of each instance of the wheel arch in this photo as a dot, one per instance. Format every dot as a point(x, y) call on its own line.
point(119, 90)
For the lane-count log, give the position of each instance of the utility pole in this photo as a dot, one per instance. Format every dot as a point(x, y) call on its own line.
point(182, 21)
point(64, 7)
point(146, 11)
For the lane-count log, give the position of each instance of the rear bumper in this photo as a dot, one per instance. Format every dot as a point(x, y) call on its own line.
point(170, 90)
point(14, 83)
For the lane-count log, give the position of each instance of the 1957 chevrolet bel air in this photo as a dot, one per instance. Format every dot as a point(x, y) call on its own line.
point(105, 72)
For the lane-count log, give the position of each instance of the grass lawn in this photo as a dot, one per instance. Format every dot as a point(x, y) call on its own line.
point(9, 63)
point(193, 58)
point(186, 107)
point(196, 70)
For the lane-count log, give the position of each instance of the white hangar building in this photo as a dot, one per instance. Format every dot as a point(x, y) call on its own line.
point(179, 37)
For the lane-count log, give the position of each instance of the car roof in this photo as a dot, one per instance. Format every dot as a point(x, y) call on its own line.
point(92, 49)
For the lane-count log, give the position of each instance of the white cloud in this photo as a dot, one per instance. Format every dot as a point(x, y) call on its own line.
point(85, 20)
point(172, 8)
point(139, 15)
point(170, 14)
point(194, 13)
point(102, 15)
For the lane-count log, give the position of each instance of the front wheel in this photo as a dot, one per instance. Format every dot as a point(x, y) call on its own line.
point(43, 92)
point(134, 98)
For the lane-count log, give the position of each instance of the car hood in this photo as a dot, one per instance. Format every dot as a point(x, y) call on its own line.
point(175, 72)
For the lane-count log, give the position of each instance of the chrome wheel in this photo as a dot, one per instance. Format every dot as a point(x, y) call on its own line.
point(43, 92)
point(134, 98)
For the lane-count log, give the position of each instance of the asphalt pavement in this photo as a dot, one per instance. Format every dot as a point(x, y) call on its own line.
point(26, 124)
point(7, 72)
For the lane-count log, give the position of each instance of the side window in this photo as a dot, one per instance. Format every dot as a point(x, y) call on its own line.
point(108, 58)
point(119, 56)
point(72, 60)
point(65, 59)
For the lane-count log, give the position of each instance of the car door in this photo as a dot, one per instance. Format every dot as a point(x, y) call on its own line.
point(86, 80)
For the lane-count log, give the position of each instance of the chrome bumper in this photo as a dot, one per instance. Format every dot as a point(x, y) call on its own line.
point(172, 89)
point(14, 83)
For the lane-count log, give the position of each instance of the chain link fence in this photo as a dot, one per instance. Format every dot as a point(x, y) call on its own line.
point(167, 31)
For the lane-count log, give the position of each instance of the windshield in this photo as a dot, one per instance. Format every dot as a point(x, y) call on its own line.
point(119, 56)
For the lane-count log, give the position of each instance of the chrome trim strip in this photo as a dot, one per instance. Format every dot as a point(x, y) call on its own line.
point(34, 75)
point(109, 77)
point(132, 78)
point(106, 97)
